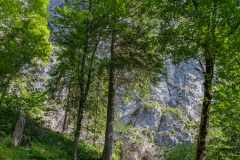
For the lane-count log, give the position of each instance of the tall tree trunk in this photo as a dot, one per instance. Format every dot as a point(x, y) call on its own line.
point(78, 128)
point(83, 84)
point(82, 100)
point(107, 153)
point(81, 103)
point(67, 107)
point(65, 118)
point(204, 124)
point(95, 125)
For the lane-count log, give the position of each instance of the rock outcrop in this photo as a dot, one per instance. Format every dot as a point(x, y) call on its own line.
point(18, 131)
point(167, 117)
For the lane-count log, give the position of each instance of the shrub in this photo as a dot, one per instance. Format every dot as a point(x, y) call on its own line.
point(183, 151)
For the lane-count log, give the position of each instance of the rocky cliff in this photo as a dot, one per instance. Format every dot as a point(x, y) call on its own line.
point(167, 117)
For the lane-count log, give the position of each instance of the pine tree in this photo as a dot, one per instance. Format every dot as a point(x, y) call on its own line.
point(132, 45)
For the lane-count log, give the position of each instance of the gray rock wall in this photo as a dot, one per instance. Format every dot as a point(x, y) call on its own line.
point(168, 115)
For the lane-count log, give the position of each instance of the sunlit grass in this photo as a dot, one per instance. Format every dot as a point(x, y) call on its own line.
point(39, 143)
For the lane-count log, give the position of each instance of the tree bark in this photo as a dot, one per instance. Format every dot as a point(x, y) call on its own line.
point(204, 124)
point(107, 153)
point(95, 123)
point(78, 129)
point(65, 119)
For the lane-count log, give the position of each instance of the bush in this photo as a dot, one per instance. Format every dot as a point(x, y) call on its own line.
point(183, 151)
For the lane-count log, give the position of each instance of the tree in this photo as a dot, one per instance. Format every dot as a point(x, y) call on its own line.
point(23, 36)
point(206, 31)
point(78, 33)
point(132, 51)
point(224, 136)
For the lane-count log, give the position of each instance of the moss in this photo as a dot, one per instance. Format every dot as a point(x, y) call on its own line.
point(176, 111)
point(120, 127)
point(138, 142)
point(138, 135)
point(147, 105)
point(117, 150)
point(148, 132)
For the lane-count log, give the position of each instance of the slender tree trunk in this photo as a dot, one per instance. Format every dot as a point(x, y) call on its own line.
point(88, 123)
point(96, 114)
point(81, 103)
point(65, 119)
point(95, 125)
point(107, 153)
point(82, 100)
point(203, 131)
point(66, 108)
point(83, 83)
point(78, 129)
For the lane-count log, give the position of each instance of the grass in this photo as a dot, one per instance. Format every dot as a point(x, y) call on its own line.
point(50, 146)
point(40, 143)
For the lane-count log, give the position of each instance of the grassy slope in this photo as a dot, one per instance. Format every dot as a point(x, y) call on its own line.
point(38, 143)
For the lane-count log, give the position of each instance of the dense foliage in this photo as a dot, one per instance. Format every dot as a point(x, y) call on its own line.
point(23, 37)
point(105, 50)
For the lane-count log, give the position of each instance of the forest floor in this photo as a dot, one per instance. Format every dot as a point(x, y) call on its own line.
point(39, 143)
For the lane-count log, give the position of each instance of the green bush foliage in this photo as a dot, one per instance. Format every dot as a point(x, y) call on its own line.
point(182, 151)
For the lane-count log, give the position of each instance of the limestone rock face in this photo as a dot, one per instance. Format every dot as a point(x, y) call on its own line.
point(167, 116)
point(53, 4)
